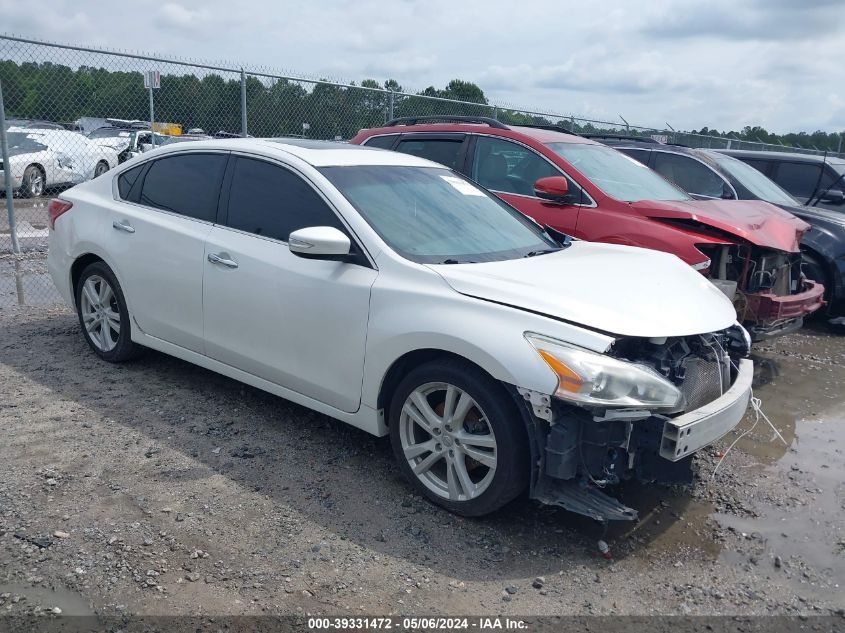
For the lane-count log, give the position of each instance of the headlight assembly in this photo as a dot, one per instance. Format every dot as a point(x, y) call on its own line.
point(592, 379)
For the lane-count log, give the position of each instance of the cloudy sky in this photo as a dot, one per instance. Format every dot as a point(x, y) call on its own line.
point(720, 63)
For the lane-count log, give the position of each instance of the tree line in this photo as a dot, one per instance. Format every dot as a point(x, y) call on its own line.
point(277, 107)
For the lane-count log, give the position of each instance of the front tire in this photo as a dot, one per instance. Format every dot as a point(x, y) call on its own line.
point(33, 182)
point(103, 314)
point(459, 438)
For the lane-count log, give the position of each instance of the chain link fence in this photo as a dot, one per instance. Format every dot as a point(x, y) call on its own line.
point(72, 113)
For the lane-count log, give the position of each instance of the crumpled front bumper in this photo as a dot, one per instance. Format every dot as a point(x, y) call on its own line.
point(696, 429)
point(764, 307)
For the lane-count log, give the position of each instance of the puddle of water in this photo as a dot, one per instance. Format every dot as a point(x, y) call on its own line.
point(23, 282)
point(69, 602)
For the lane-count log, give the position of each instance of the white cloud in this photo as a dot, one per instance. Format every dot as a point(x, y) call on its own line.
point(723, 63)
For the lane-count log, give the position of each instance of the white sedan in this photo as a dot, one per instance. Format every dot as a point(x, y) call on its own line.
point(396, 295)
point(69, 158)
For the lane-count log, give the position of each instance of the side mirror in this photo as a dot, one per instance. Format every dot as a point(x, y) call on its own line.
point(145, 147)
point(319, 242)
point(552, 188)
point(833, 196)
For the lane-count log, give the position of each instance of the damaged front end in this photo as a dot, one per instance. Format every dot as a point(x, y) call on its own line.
point(766, 286)
point(581, 448)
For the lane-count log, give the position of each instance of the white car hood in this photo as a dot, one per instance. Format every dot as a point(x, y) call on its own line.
point(616, 289)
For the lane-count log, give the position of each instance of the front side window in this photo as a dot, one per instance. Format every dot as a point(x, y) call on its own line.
point(619, 176)
point(443, 151)
point(272, 201)
point(690, 175)
point(188, 185)
point(508, 167)
point(433, 215)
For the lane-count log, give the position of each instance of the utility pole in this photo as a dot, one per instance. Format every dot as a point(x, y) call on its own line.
point(7, 176)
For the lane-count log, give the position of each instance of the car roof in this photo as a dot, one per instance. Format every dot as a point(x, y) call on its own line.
point(790, 156)
point(540, 133)
point(316, 153)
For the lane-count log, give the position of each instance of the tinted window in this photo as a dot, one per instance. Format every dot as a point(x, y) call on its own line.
point(689, 174)
point(760, 165)
point(800, 179)
point(271, 201)
point(127, 179)
point(188, 184)
point(637, 154)
point(443, 151)
point(384, 142)
point(508, 167)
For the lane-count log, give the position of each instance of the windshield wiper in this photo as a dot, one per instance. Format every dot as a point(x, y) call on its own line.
point(457, 261)
point(541, 252)
point(558, 236)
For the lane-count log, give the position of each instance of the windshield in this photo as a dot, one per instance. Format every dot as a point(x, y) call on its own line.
point(753, 180)
point(110, 133)
point(432, 215)
point(618, 175)
point(22, 140)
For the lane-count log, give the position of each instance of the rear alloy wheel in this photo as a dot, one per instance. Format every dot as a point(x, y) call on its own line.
point(101, 168)
point(458, 438)
point(103, 314)
point(32, 183)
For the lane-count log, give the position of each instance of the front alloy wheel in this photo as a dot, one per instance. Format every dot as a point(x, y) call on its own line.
point(458, 437)
point(447, 441)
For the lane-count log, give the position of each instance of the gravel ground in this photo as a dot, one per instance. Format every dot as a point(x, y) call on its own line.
point(157, 487)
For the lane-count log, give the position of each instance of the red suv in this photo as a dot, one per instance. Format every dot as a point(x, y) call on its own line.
point(750, 249)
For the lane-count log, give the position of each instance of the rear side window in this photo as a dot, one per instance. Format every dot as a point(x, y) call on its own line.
point(800, 179)
point(272, 201)
point(443, 151)
point(689, 174)
point(384, 142)
point(187, 184)
point(126, 180)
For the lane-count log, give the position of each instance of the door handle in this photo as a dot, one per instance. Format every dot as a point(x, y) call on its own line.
point(123, 225)
point(217, 259)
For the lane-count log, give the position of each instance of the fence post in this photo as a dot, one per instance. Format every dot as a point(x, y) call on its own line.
point(496, 112)
point(7, 176)
point(243, 104)
point(391, 105)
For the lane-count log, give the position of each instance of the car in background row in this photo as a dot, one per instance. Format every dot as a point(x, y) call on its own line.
point(812, 179)
point(128, 142)
point(42, 158)
point(499, 358)
point(705, 173)
point(582, 188)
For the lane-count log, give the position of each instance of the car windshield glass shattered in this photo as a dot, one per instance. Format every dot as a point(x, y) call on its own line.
point(21, 141)
point(619, 176)
point(434, 216)
point(756, 182)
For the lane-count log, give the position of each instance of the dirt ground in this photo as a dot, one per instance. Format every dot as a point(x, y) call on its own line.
point(157, 487)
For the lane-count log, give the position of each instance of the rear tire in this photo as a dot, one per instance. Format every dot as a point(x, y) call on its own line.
point(33, 182)
point(101, 168)
point(103, 314)
point(459, 438)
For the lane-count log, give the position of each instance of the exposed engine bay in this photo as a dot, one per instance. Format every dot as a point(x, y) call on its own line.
point(760, 282)
point(581, 452)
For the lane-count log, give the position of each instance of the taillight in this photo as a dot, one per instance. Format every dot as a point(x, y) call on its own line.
point(56, 208)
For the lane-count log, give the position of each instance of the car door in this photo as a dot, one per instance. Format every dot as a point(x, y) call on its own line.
point(155, 236)
point(510, 169)
point(299, 323)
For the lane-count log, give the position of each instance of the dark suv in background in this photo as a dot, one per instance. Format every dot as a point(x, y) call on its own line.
point(705, 173)
point(802, 175)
